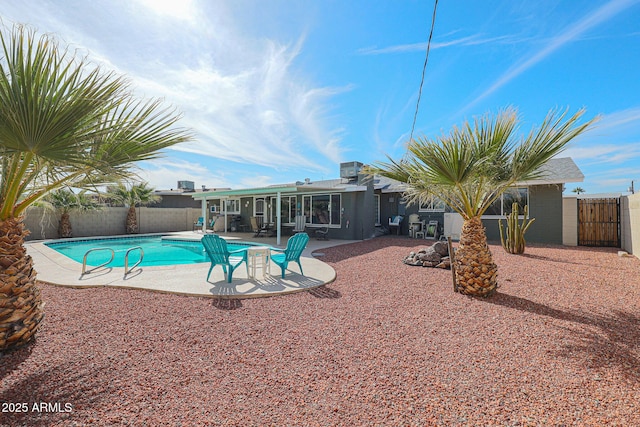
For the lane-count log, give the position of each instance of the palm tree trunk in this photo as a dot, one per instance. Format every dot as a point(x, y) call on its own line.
point(21, 309)
point(64, 226)
point(476, 273)
point(132, 221)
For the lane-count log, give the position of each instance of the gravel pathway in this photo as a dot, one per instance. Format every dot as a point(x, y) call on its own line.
point(386, 344)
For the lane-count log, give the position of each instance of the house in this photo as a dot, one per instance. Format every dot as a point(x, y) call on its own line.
point(356, 206)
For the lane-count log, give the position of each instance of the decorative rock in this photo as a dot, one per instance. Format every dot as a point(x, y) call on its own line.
point(441, 248)
point(430, 256)
point(436, 255)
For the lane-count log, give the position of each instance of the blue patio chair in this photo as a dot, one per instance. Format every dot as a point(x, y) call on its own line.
point(219, 254)
point(199, 223)
point(295, 246)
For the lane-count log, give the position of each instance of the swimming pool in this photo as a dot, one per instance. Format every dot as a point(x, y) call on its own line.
point(158, 250)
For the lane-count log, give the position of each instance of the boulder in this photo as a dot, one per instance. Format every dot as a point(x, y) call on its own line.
point(441, 248)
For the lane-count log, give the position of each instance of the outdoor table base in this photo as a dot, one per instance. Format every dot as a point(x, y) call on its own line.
point(258, 257)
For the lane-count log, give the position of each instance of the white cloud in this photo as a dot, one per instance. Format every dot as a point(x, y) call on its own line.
point(164, 174)
point(245, 96)
point(602, 14)
point(473, 40)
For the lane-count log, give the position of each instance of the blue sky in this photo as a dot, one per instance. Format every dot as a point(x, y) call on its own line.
point(278, 91)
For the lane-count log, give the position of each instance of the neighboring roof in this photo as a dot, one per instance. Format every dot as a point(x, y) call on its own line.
point(558, 171)
point(183, 192)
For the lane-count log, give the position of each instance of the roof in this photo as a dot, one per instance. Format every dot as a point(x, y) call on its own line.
point(557, 171)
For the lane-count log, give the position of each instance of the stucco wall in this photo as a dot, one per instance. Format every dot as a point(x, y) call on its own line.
point(545, 205)
point(630, 223)
point(570, 221)
point(111, 221)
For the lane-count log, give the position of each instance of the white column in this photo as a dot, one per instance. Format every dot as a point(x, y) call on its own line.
point(203, 213)
point(278, 217)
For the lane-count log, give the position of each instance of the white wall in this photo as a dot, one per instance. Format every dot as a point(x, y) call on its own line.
point(570, 221)
point(630, 223)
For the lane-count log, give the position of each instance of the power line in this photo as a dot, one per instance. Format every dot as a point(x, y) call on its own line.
point(424, 68)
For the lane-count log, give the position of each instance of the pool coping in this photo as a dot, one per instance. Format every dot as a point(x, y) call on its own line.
point(186, 279)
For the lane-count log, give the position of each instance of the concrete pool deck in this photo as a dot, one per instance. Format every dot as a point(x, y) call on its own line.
point(190, 279)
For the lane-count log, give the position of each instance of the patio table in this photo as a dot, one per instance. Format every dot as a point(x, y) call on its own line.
point(258, 257)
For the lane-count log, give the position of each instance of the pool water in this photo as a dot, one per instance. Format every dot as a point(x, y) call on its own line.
point(158, 250)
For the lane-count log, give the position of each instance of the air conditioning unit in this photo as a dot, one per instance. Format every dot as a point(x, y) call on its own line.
point(350, 169)
point(186, 185)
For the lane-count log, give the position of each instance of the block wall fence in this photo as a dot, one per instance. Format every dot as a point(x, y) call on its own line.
point(110, 221)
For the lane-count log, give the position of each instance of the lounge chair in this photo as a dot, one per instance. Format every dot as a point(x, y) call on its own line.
point(293, 251)
point(322, 233)
point(199, 223)
point(219, 254)
point(301, 223)
point(258, 227)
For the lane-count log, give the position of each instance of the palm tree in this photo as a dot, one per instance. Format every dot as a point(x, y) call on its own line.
point(137, 195)
point(578, 190)
point(470, 169)
point(63, 201)
point(63, 122)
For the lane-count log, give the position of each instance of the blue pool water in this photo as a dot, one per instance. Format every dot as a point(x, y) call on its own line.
point(158, 250)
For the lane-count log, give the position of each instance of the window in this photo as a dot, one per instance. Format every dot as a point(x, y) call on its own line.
point(287, 209)
point(504, 204)
point(432, 205)
point(322, 209)
point(376, 209)
point(233, 206)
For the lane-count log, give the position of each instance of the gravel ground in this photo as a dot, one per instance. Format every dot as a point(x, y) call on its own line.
point(385, 344)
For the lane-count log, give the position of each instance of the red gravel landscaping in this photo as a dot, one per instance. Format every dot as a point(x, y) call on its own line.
point(385, 344)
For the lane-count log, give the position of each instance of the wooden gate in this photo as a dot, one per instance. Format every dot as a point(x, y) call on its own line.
point(599, 222)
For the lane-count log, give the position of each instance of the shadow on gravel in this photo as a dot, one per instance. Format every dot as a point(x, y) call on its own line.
point(9, 361)
point(342, 252)
point(227, 303)
point(325, 292)
point(53, 395)
point(609, 340)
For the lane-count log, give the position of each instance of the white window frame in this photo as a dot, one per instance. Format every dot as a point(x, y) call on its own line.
point(376, 209)
point(502, 207)
point(233, 206)
point(309, 217)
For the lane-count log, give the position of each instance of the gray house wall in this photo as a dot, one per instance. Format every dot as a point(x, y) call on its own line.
point(545, 205)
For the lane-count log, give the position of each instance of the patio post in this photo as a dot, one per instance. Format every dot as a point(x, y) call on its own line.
point(278, 217)
point(203, 213)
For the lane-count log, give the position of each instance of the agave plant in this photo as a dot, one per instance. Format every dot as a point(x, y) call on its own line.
point(470, 168)
point(63, 122)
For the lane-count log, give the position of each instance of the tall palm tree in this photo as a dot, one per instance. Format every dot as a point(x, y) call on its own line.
point(136, 195)
point(470, 169)
point(63, 201)
point(63, 121)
